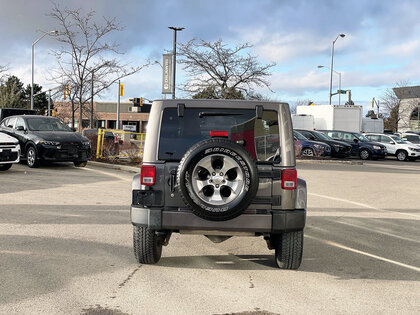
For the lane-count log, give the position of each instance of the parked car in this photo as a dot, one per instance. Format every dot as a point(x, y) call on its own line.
point(361, 146)
point(9, 151)
point(396, 146)
point(208, 169)
point(415, 132)
point(410, 138)
point(338, 148)
point(306, 147)
point(46, 138)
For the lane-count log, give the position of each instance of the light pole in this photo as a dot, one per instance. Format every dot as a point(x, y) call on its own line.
point(55, 32)
point(339, 83)
point(332, 63)
point(175, 29)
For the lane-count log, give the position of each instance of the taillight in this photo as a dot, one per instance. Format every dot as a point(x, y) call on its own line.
point(147, 175)
point(289, 179)
point(216, 133)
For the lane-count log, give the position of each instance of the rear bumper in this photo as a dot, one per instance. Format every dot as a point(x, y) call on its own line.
point(276, 221)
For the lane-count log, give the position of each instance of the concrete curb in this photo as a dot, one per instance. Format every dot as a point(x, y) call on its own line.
point(130, 169)
point(329, 162)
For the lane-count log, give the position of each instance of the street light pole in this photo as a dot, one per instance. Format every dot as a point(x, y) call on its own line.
point(91, 102)
point(339, 88)
point(332, 63)
point(33, 58)
point(118, 105)
point(339, 82)
point(175, 29)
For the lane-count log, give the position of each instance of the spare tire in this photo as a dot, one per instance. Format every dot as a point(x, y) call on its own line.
point(218, 179)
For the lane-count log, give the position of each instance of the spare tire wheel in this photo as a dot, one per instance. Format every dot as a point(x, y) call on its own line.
point(218, 179)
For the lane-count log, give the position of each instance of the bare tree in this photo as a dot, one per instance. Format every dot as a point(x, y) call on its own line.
point(86, 58)
point(227, 70)
point(390, 107)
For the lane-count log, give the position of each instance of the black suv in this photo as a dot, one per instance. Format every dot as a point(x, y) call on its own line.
point(219, 168)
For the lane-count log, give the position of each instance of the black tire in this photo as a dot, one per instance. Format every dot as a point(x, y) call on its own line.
point(307, 152)
point(288, 249)
point(32, 157)
point(401, 155)
point(226, 150)
point(5, 167)
point(147, 245)
point(80, 164)
point(365, 154)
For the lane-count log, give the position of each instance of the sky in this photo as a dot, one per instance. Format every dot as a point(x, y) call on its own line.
point(381, 46)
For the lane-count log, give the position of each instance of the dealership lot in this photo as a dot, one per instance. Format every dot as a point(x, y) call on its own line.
point(65, 248)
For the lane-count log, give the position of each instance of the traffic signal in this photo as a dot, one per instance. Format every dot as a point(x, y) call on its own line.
point(121, 89)
point(138, 101)
point(66, 91)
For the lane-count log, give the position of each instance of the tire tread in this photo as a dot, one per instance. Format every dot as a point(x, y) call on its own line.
point(147, 246)
point(289, 250)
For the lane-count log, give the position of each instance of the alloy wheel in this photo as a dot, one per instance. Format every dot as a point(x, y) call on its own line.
point(217, 179)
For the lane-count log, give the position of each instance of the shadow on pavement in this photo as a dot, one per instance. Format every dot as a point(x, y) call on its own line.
point(32, 266)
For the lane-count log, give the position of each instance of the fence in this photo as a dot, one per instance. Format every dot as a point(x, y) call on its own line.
point(119, 144)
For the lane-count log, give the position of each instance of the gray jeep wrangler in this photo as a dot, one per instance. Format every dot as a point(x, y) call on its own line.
point(219, 168)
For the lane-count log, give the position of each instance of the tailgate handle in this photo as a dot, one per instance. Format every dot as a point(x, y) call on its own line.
point(172, 181)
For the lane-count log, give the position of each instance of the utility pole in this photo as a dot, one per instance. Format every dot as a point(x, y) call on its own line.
point(49, 103)
point(175, 29)
point(91, 103)
point(118, 105)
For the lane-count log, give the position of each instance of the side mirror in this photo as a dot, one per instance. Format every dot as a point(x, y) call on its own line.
point(20, 128)
point(355, 141)
point(391, 142)
point(74, 129)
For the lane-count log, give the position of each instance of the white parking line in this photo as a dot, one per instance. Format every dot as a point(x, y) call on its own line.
point(379, 232)
point(362, 205)
point(106, 173)
point(363, 253)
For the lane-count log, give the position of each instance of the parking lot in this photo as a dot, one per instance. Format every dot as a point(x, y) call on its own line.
point(66, 248)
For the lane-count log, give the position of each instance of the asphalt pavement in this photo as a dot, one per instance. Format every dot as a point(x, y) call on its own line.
point(66, 248)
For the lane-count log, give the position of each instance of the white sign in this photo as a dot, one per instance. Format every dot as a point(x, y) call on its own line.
point(167, 74)
point(129, 128)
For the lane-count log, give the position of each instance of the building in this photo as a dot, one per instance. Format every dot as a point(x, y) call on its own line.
point(409, 110)
point(105, 115)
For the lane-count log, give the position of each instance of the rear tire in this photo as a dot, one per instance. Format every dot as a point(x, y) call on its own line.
point(147, 245)
point(288, 249)
point(5, 167)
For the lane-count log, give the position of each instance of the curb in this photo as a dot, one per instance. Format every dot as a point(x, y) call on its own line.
point(329, 162)
point(130, 169)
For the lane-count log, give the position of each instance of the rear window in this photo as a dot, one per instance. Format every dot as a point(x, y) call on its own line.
point(260, 136)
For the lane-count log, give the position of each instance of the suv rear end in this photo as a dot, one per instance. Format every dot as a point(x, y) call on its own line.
point(219, 168)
